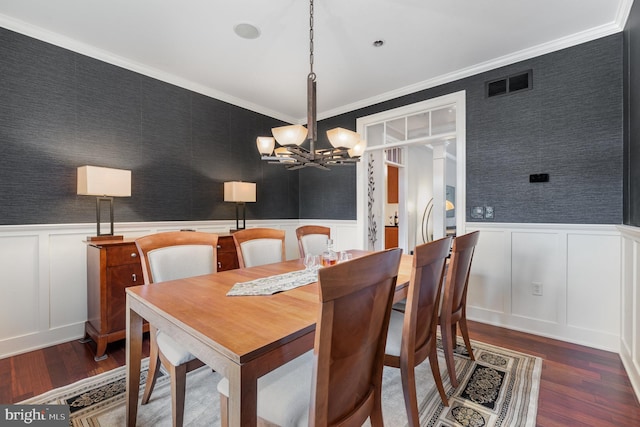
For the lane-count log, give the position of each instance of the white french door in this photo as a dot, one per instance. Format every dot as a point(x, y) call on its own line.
point(426, 141)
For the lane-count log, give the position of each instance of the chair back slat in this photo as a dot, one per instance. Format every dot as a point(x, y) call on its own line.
point(455, 289)
point(356, 298)
point(421, 315)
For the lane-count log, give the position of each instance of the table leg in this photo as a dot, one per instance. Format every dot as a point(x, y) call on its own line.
point(243, 397)
point(133, 359)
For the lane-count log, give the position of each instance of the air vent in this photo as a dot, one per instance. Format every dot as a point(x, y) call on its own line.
point(508, 85)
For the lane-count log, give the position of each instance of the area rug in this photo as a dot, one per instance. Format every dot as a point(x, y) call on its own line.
point(499, 389)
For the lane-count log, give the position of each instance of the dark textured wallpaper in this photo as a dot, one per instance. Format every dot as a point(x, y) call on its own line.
point(632, 117)
point(60, 110)
point(569, 125)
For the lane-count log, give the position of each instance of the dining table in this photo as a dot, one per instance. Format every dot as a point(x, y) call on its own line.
point(240, 337)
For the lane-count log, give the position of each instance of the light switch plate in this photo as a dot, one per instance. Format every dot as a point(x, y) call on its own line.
point(477, 212)
point(488, 212)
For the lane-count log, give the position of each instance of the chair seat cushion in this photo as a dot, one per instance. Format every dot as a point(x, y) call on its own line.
point(284, 393)
point(172, 350)
point(394, 334)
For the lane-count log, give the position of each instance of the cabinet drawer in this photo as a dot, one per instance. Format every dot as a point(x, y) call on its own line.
point(226, 244)
point(227, 261)
point(122, 254)
point(118, 279)
point(227, 257)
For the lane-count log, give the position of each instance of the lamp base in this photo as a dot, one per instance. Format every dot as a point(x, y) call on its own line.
point(103, 238)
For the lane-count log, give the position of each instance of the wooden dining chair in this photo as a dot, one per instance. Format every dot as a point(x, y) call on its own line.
point(312, 239)
point(169, 256)
point(258, 246)
point(412, 335)
point(453, 309)
point(340, 381)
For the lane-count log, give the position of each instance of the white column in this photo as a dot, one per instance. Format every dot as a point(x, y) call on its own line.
point(439, 185)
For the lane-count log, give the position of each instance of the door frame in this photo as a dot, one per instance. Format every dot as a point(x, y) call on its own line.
point(456, 98)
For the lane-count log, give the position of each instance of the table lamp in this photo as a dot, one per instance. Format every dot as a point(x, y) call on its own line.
point(240, 193)
point(105, 183)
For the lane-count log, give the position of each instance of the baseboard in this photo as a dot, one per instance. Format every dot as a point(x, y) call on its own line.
point(41, 339)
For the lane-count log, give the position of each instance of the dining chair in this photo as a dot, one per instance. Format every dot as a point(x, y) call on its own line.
point(339, 382)
point(453, 309)
point(312, 239)
point(258, 246)
point(412, 335)
point(169, 256)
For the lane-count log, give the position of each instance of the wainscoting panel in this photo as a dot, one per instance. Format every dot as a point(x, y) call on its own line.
point(577, 266)
point(67, 268)
point(630, 319)
point(43, 274)
point(536, 257)
point(491, 291)
point(20, 282)
point(593, 281)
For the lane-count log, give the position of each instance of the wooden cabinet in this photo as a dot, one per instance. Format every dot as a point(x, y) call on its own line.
point(392, 184)
point(390, 237)
point(227, 255)
point(114, 265)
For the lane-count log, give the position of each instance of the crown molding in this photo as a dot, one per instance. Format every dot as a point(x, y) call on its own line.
point(108, 57)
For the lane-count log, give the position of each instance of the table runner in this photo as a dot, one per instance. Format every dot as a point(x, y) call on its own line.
point(273, 284)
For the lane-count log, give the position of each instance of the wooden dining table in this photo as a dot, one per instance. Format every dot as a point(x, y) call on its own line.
point(241, 337)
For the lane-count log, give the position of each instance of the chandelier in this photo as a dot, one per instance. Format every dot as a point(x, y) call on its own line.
point(347, 146)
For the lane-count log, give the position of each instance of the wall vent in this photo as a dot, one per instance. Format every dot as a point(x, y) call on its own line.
point(510, 84)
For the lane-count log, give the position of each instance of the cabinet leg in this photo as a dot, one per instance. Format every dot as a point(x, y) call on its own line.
point(101, 350)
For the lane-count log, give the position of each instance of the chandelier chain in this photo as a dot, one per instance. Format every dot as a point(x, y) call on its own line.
point(312, 75)
point(346, 145)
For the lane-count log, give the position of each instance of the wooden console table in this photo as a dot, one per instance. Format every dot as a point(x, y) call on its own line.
point(113, 266)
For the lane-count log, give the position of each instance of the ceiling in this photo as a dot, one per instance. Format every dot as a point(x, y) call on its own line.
point(426, 42)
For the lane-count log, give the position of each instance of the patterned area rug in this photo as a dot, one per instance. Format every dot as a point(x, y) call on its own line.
point(499, 389)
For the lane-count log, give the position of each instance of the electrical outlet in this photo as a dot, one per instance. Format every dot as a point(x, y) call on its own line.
point(536, 288)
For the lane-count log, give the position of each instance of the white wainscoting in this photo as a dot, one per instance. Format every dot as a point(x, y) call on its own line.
point(577, 266)
point(630, 310)
point(43, 274)
point(582, 269)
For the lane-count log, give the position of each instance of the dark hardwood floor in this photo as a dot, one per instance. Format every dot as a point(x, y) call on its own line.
point(580, 386)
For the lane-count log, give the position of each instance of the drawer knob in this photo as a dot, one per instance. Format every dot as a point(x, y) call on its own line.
point(219, 264)
point(134, 277)
point(133, 254)
point(218, 246)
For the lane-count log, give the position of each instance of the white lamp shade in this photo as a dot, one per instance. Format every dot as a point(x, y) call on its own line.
point(98, 181)
point(265, 144)
point(343, 138)
point(358, 149)
point(237, 191)
point(290, 135)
